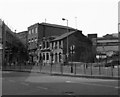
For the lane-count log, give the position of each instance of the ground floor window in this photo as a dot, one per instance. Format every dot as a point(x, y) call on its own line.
point(47, 56)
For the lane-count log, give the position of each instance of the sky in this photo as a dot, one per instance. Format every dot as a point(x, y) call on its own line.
point(90, 16)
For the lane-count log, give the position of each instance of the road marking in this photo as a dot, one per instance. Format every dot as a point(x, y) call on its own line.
point(42, 88)
point(117, 87)
point(98, 85)
point(68, 81)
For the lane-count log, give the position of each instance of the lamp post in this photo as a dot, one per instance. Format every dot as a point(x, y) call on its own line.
point(67, 38)
point(118, 45)
point(72, 51)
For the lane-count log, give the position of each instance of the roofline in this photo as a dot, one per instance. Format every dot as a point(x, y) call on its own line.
point(56, 25)
point(103, 38)
point(65, 36)
point(33, 25)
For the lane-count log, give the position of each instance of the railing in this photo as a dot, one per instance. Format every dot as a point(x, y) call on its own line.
point(90, 69)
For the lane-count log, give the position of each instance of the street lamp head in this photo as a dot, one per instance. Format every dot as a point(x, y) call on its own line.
point(63, 19)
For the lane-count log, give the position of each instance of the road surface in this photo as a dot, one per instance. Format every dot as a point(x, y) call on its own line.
point(24, 83)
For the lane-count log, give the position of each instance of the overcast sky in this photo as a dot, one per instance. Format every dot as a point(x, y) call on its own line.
point(93, 16)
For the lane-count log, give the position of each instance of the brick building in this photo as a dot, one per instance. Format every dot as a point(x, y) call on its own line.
point(79, 48)
point(40, 31)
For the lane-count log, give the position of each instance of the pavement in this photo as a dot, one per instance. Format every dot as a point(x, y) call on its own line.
point(30, 83)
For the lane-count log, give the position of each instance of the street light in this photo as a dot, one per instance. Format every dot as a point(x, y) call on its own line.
point(67, 37)
point(118, 45)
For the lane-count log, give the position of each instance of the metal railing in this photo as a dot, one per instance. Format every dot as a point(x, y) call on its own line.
point(90, 69)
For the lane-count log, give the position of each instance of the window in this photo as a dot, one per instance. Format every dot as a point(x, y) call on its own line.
point(47, 56)
point(43, 44)
point(52, 44)
point(59, 44)
point(59, 57)
point(36, 30)
point(56, 45)
point(29, 31)
point(43, 56)
point(35, 39)
point(55, 57)
point(32, 40)
point(29, 40)
point(32, 31)
point(47, 43)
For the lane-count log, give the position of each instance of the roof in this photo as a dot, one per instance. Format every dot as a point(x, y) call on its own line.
point(64, 35)
point(55, 25)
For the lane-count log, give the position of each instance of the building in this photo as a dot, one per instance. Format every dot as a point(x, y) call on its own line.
point(40, 31)
point(12, 48)
point(108, 45)
point(107, 48)
point(54, 49)
point(0, 43)
point(23, 37)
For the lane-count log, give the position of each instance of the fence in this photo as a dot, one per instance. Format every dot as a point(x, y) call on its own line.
point(72, 68)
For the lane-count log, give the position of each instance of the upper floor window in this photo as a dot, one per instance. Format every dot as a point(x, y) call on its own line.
point(32, 31)
point(29, 31)
point(36, 30)
point(59, 44)
point(52, 45)
point(56, 45)
point(47, 44)
point(43, 44)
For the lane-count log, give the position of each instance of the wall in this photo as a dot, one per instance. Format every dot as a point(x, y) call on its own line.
point(0, 43)
point(83, 47)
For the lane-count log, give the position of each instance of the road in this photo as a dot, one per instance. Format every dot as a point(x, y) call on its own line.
point(24, 83)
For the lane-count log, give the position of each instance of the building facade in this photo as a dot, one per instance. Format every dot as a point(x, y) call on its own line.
point(54, 49)
point(23, 37)
point(1, 46)
point(13, 51)
point(107, 48)
point(41, 31)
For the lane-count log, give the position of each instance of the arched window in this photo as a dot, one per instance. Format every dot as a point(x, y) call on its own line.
point(55, 57)
point(60, 57)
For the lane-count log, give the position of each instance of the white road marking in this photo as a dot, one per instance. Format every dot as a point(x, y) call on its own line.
point(98, 85)
point(68, 81)
point(42, 88)
point(117, 87)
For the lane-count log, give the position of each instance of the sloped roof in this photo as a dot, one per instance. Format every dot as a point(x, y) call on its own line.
point(55, 25)
point(64, 35)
